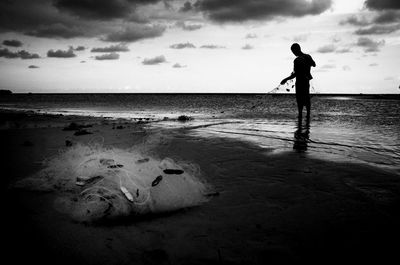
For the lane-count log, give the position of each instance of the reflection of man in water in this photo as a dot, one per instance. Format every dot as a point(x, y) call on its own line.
point(301, 70)
point(301, 137)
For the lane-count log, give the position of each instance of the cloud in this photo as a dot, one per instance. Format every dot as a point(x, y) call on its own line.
point(243, 10)
point(251, 36)
point(19, 54)
point(369, 45)
point(12, 43)
point(382, 4)
point(377, 30)
point(154, 61)
point(33, 66)
point(72, 18)
point(188, 27)
point(387, 16)
point(182, 46)
point(328, 66)
point(8, 54)
point(113, 48)
point(80, 48)
point(27, 55)
point(327, 48)
point(57, 30)
point(96, 9)
point(107, 56)
point(134, 33)
point(343, 50)
point(177, 65)
point(355, 20)
point(212, 46)
point(61, 53)
point(100, 9)
point(247, 47)
point(187, 6)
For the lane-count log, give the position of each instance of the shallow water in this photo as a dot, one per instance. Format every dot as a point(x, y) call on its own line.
point(345, 128)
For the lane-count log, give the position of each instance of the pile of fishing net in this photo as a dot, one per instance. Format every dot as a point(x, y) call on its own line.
point(96, 183)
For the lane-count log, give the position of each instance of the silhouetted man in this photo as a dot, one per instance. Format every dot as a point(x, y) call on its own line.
point(301, 70)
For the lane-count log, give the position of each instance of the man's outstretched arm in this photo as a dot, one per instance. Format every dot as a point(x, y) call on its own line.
point(293, 75)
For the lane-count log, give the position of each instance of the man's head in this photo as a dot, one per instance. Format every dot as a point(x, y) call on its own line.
point(296, 49)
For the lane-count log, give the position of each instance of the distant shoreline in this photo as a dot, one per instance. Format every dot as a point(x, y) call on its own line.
point(273, 94)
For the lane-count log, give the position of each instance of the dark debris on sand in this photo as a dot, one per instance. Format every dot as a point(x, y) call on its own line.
point(82, 132)
point(184, 118)
point(75, 127)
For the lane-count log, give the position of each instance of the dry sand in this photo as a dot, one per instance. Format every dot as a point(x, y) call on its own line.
point(272, 208)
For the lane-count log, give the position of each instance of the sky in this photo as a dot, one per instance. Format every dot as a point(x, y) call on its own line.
point(196, 46)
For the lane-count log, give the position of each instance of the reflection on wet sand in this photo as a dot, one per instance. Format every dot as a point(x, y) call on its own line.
point(301, 136)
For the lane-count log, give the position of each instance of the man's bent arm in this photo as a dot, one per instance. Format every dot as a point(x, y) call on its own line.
point(293, 75)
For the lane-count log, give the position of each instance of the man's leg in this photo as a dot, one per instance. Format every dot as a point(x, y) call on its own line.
point(300, 110)
point(308, 108)
point(308, 101)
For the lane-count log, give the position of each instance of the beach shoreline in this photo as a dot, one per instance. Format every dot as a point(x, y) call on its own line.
point(271, 209)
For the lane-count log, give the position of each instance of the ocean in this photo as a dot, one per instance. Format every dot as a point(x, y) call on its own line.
point(345, 128)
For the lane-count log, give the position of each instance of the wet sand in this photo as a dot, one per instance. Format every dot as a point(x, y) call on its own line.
point(272, 208)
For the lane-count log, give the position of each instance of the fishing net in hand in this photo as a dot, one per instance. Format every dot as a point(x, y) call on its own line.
point(97, 183)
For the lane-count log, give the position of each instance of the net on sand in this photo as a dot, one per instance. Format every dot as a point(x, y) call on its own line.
point(96, 183)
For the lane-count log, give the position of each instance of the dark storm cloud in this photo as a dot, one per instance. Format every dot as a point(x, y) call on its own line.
point(100, 9)
point(97, 9)
point(107, 56)
point(112, 48)
point(188, 27)
point(61, 53)
point(187, 6)
point(242, 10)
point(135, 32)
point(382, 17)
point(182, 46)
point(369, 45)
point(12, 43)
point(6, 53)
point(33, 66)
point(19, 54)
point(388, 16)
point(73, 18)
point(212, 46)
point(57, 30)
point(383, 22)
point(154, 61)
point(25, 14)
point(377, 30)
point(383, 4)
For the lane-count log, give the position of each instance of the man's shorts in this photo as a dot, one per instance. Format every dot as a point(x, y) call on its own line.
point(303, 92)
